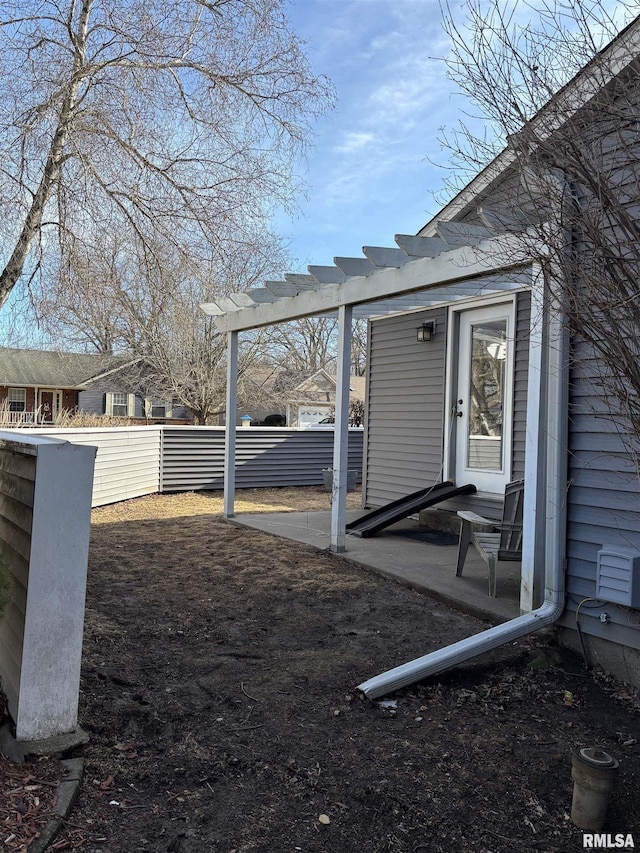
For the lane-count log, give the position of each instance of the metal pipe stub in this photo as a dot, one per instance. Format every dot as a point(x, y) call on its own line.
point(594, 773)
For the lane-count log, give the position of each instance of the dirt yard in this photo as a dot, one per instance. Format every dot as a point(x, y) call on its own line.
point(218, 691)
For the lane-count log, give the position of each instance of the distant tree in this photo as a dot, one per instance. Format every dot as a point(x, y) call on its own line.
point(178, 121)
point(356, 413)
point(572, 180)
point(303, 346)
point(104, 301)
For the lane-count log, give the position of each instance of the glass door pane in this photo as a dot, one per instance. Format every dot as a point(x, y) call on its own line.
point(488, 351)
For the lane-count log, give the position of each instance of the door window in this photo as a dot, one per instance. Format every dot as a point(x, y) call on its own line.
point(484, 401)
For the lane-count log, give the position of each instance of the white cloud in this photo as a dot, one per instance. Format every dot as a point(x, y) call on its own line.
point(354, 142)
point(368, 176)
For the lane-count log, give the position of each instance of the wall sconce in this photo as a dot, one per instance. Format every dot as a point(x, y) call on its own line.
point(426, 331)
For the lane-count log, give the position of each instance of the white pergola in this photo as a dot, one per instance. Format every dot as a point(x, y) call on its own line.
point(461, 262)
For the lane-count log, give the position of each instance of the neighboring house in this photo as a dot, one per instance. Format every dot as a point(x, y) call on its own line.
point(471, 378)
point(277, 399)
point(37, 386)
point(314, 399)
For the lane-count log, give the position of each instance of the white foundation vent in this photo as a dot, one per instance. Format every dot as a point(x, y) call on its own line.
point(618, 575)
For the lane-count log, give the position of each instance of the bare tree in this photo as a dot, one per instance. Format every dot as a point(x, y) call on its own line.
point(572, 175)
point(170, 117)
point(303, 346)
point(103, 300)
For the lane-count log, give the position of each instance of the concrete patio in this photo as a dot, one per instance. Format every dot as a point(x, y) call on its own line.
point(399, 554)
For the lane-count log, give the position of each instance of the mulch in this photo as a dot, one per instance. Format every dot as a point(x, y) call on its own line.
point(27, 795)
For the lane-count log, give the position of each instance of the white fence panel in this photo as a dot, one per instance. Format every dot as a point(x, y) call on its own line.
point(127, 463)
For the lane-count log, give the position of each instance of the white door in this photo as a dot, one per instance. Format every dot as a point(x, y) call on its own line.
point(483, 403)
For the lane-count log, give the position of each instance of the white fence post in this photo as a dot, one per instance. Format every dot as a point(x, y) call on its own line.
point(45, 515)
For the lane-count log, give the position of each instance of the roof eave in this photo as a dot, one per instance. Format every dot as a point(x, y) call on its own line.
point(604, 67)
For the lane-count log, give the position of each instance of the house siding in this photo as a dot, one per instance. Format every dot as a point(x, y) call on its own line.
point(405, 406)
point(91, 401)
point(603, 502)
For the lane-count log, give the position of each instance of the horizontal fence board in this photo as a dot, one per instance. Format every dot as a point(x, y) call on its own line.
point(18, 464)
point(15, 538)
point(19, 514)
point(193, 457)
point(16, 488)
point(127, 460)
point(17, 485)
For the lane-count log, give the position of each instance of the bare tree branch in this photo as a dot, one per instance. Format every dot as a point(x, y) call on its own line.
point(575, 178)
point(170, 117)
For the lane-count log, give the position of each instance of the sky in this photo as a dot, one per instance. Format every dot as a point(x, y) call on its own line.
point(377, 166)
point(369, 175)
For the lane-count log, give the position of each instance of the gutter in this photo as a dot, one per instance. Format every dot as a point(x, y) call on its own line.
point(551, 507)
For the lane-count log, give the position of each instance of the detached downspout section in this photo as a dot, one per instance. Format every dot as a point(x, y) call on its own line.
point(552, 470)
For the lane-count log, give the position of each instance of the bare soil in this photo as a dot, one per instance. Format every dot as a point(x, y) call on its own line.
point(218, 691)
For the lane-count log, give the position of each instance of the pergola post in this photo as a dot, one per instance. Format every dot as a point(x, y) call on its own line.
point(230, 425)
point(341, 432)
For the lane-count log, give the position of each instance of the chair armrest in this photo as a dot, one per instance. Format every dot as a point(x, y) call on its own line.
point(474, 518)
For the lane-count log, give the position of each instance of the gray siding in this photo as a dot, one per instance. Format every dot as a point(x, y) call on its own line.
point(91, 401)
point(405, 407)
point(17, 484)
point(603, 502)
point(506, 206)
point(193, 457)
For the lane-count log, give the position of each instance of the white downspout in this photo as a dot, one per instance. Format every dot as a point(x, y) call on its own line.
point(551, 505)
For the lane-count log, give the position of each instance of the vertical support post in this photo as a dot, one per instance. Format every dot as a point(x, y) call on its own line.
point(50, 591)
point(230, 425)
point(341, 432)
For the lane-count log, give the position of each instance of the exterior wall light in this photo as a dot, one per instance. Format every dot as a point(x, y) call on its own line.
point(425, 332)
